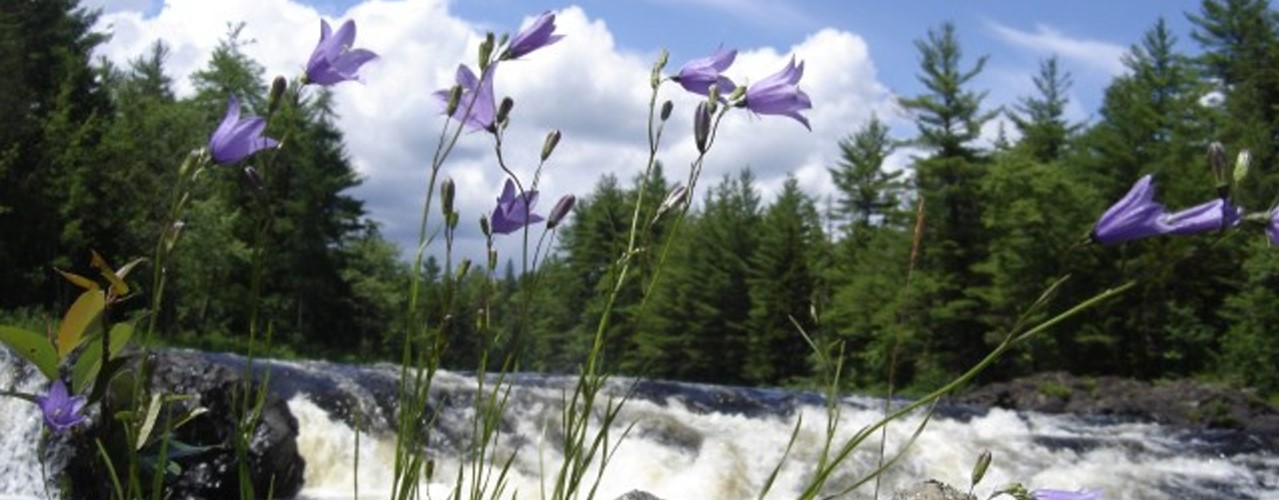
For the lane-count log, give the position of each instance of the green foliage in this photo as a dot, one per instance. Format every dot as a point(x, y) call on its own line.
point(783, 287)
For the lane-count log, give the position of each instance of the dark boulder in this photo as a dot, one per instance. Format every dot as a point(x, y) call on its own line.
point(274, 464)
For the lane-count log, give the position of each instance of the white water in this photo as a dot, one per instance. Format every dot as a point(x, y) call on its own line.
point(677, 453)
point(679, 449)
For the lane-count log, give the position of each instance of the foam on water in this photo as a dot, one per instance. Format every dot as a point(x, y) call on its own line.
point(703, 442)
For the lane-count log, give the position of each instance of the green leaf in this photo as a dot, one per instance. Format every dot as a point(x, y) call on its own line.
point(153, 412)
point(33, 347)
point(82, 314)
point(90, 361)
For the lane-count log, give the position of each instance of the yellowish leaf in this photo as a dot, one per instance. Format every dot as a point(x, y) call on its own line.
point(82, 314)
point(78, 280)
point(118, 287)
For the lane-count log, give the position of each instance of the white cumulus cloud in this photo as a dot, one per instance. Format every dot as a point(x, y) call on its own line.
point(587, 86)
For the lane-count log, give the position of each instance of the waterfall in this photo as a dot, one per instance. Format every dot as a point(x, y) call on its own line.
point(692, 441)
point(20, 474)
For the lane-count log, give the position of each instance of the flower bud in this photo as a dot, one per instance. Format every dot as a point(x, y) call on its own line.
point(492, 258)
point(712, 95)
point(562, 208)
point(1241, 165)
point(278, 86)
point(1217, 159)
point(979, 468)
point(655, 77)
point(486, 50)
point(674, 199)
point(448, 191)
point(701, 126)
point(737, 93)
point(504, 110)
point(484, 227)
point(548, 146)
point(451, 219)
point(254, 180)
point(455, 98)
point(667, 108)
point(463, 268)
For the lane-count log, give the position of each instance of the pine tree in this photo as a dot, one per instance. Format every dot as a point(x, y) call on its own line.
point(950, 119)
point(53, 106)
point(1041, 119)
point(783, 282)
point(868, 194)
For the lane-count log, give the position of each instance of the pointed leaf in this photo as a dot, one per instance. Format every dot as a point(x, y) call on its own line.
point(82, 314)
point(78, 280)
point(33, 347)
point(118, 287)
point(124, 271)
point(90, 361)
point(153, 412)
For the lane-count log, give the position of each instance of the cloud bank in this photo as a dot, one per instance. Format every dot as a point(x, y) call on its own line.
point(593, 90)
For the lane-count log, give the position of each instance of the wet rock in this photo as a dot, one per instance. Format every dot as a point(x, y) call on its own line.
point(1182, 403)
point(212, 472)
point(932, 490)
point(638, 495)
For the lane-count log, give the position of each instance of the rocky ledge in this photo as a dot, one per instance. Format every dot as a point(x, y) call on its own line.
point(1183, 403)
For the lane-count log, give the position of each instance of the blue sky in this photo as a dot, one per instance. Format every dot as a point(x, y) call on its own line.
point(860, 57)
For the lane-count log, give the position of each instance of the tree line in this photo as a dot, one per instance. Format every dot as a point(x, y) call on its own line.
point(912, 274)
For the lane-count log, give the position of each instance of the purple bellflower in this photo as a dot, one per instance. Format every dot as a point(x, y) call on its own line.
point(1135, 216)
point(334, 61)
point(779, 94)
point(537, 35)
point(1214, 215)
point(236, 138)
point(698, 75)
point(477, 98)
point(1272, 227)
point(1043, 494)
point(61, 410)
point(514, 211)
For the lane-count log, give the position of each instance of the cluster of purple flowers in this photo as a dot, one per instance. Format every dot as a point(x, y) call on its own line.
point(778, 94)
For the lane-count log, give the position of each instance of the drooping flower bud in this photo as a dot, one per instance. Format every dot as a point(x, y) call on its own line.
point(504, 111)
point(484, 226)
point(548, 146)
point(701, 126)
point(562, 208)
point(667, 108)
point(278, 86)
point(655, 77)
point(448, 191)
point(979, 468)
point(451, 219)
